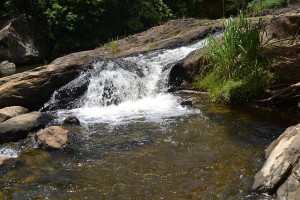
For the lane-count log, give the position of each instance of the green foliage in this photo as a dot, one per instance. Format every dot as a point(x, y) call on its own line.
point(257, 6)
point(235, 6)
point(238, 70)
point(114, 47)
point(82, 24)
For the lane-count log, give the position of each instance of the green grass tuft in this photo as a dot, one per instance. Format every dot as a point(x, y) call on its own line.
point(237, 70)
point(114, 47)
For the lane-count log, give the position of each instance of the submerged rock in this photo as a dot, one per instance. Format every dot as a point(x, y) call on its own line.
point(7, 68)
point(12, 111)
point(280, 173)
point(54, 137)
point(71, 120)
point(18, 127)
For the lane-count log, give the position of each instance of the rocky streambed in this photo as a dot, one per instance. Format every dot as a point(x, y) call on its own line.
point(31, 89)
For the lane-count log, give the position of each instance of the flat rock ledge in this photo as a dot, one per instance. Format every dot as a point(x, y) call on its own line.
point(280, 174)
point(18, 127)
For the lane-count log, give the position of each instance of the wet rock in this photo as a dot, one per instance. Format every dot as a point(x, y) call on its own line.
point(278, 172)
point(12, 111)
point(22, 42)
point(184, 72)
point(54, 137)
point(3, 159)
point(71, 120)
point(187, 103)
point(7, 68)
point(18, 127)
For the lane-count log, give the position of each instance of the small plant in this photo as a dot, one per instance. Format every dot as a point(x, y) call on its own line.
point(114, 47)
point(237, 70)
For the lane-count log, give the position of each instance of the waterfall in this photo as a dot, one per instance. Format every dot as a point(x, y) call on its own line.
point(131, 88)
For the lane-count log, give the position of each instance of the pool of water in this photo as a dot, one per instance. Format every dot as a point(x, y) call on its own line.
point(213, 153)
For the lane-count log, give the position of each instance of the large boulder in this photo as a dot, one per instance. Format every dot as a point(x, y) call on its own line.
point(18, 127)
point(54, 137)
point(280, 173)
point(184, 72)
point(12, 111)
point(22, 42)
point(282, 27)
point(7, 68)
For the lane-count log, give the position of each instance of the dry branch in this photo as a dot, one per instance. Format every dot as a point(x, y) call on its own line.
point(282, 92)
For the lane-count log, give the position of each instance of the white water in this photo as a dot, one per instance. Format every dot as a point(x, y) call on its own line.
point(9, 152)
point(133, 88)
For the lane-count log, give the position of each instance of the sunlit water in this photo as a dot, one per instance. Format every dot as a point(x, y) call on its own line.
point(137, 142)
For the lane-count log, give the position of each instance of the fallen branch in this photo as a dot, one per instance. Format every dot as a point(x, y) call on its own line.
point(279, 95)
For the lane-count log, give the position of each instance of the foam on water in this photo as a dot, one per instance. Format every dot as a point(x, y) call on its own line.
point(9, 152)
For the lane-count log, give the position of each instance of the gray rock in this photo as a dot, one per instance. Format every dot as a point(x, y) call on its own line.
point(7, 68)
point(71, 120)
point(53, 137)
point(18, 127)
point(12, 111)
point(290, 189)
point(282, 156)
point(22, 41)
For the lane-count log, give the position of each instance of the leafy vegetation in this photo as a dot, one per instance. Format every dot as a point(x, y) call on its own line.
point(238, 70)
point(257, 6)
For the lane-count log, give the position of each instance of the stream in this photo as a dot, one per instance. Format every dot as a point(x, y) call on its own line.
point(137, 142)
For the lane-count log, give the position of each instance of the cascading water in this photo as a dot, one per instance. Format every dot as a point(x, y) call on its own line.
point(132, 88)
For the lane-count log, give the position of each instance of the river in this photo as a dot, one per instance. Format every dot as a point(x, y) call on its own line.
point(137, 142)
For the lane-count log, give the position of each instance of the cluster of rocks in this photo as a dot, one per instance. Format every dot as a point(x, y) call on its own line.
point(17, 122)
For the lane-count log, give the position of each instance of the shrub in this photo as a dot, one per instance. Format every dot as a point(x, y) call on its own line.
point(237, 70)
point(257, 6)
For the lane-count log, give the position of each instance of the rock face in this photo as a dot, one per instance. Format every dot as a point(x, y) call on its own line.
point(13, 111)
point(54, 137)
point(18, 127)
point(7, 68)
point(282, 27)
point(280, 173)
point(22, 42)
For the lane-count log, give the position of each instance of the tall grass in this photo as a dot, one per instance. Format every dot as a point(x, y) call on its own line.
point(237, 70)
